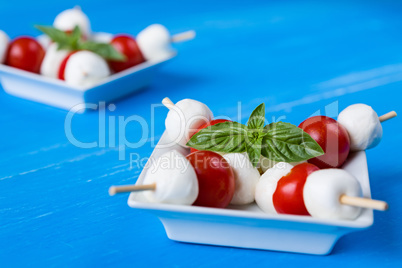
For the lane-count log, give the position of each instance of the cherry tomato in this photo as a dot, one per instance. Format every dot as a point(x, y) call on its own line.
point(128, 46)
point(25, 53)
point(63, 64)
point(288, 196)
point(215, 179)
point(210, 123)
point(333, 139)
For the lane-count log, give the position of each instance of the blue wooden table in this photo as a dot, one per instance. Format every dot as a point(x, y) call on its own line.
point(300, 58)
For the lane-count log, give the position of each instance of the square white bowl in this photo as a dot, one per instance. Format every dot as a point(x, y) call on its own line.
point(59, 94)
point(249, 227)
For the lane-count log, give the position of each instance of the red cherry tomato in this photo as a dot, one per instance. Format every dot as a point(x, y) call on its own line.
point(63, 64)
point(215, 179)
point(333, 139)
point(288, 196)
point(128, 46)
point(210, 123)
point(25, 53)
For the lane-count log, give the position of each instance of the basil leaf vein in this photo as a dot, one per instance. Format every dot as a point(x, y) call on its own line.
point(285, 142)
point(227, 137)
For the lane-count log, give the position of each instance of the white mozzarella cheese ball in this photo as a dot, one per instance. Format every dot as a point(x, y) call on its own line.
point(69, 18)
point(102, 37)
point(184, 119)
point(363, 126)
point(85, 69)
point(51, 62)
point(266, 186)
point(246, 178)
point(322, 191)
point(4, 41)
point(175, 179)
point(154, 42)
point(266, 163)
point(44, 41)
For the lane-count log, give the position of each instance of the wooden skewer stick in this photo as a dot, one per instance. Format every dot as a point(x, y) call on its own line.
point(168, 103)
point(131, 188)
point(184, 36)
point(387, 116)
point(363, 202)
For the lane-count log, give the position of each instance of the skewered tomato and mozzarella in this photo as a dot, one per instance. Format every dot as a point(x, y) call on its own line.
point(185, 118)
point(215, 179)
point(126, 45)
point(323, 191)
point(363, 125)
point(175, 181)
point(306, 190)
point(202, 178)
point(71, 33)
point(280, 189)
point(83, 69)
point(358, 128)
point(333, 139)
point(155, 42)
point(297, 189)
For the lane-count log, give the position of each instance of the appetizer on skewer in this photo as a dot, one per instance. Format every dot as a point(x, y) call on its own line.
point(50, 53)
point(225, 156)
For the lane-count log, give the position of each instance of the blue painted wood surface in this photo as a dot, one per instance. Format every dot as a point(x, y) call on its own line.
point(297, 57)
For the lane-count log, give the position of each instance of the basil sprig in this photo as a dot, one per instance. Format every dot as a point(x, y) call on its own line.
point(281, 142)
point(73, 41)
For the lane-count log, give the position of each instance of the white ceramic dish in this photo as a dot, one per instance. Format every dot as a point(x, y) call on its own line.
point(57, 93)
point(247, 226)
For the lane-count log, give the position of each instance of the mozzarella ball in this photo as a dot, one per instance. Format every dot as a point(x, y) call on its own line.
point(266, 186)
point(175, 179)
point(85, 69)
point(44, 41)
point(246, 178)
point(323, 189)
point(266, 163)
point(184, 119)
point(69, 18)
point(363, 126)
point(51, 62)
point(4, 41)
point(102, 37)
point(154, 43)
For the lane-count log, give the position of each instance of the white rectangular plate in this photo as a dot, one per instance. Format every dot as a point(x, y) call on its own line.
point(249, 227)
point(57, 93)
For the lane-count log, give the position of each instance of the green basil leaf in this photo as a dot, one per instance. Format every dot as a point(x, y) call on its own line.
point(257, 118)
point(227, 137)
point(285, 142)
point(74, 41)
point(104, 50)
point(253, 149)
point(65, 46)
point(75, 37)
point(58, 36)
